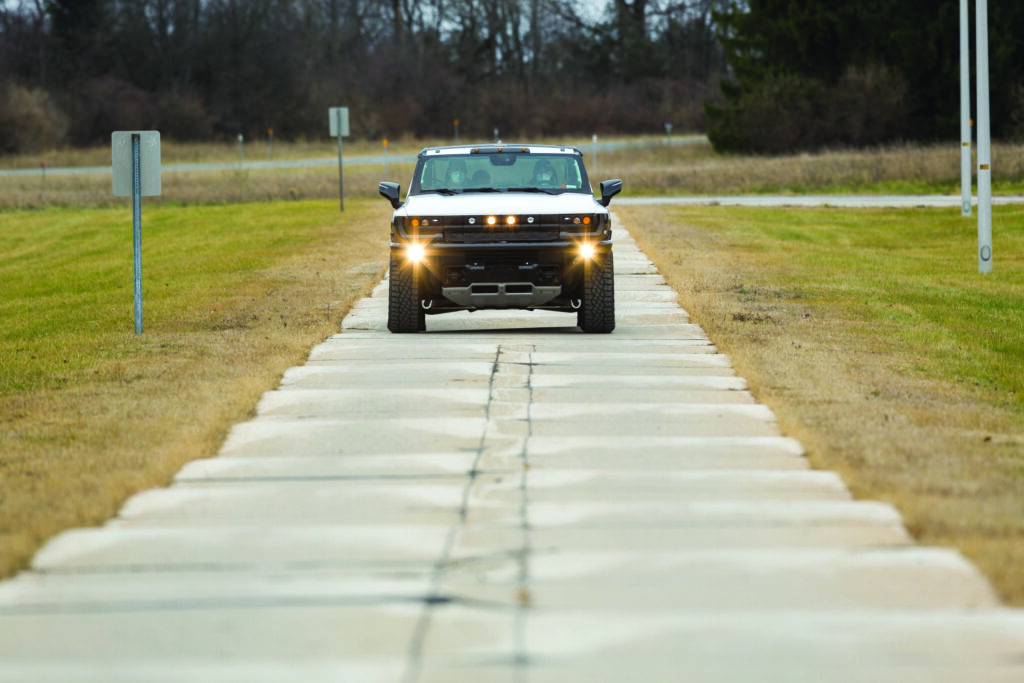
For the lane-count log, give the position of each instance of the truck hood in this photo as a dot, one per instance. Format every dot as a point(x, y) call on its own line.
point(475, 204)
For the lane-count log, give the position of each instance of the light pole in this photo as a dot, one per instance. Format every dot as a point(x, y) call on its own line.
point(984, 145)
point(965, 110)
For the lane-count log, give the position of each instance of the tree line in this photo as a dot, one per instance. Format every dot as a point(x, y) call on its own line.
point(72, 71)
point(763, 76)
point(807, 74)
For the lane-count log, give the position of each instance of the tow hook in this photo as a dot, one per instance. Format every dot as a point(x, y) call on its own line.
point(575, 303)
point(427, 304)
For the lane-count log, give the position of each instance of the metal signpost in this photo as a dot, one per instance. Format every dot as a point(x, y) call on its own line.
point(338, 119)
point(984, 145)
point(135, 163)
point(965, 110)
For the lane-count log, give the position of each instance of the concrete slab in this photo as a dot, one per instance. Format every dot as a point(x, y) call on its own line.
point(232, 552)
point(905, 645)
point(734, 579)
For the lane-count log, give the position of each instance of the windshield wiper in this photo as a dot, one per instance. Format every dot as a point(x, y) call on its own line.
point(447, 191)
point(481, 189)
point(533, 189)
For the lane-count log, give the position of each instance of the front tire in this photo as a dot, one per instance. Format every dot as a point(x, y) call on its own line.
point(597, 312)
point(404, 311)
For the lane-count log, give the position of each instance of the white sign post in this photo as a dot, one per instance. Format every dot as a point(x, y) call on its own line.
point(965, 110)
point(135, 163)
point(984, 145)
point(338, 121)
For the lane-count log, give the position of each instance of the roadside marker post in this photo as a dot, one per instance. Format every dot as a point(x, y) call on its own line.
point(135, 166)
point(965, 110)
point(595, 153)
point(338, 120)
point(386, 159)
point(984, 145)
point(455, 122)
point(270, 138)
point(240, 139)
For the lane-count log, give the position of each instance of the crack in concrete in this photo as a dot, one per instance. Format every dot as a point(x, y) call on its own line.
point(414, 657)
point(524, 598)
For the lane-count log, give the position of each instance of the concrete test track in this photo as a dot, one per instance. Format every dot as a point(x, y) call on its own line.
point(504, 498)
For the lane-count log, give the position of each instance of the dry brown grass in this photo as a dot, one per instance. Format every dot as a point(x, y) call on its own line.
point(72, 449)
point(201, 187)
point(654, 169)
point(696, 169)
point(873, 398)
point(172, 152)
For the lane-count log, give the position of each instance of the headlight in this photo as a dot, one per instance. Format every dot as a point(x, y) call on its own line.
point(587, 251)
point(414, 252)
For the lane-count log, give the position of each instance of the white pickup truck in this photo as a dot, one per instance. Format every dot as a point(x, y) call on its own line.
point(501, 226)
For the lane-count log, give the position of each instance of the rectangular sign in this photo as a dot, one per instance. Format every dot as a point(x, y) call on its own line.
point(149, 162)
point(334, 121)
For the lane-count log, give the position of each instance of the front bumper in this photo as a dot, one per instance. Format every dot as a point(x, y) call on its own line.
point(487, 275)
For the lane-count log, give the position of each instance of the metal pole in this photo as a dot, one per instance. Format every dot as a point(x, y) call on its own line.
point(137, 230)
point(341, 172)
point(984, 145)
point(965, 110)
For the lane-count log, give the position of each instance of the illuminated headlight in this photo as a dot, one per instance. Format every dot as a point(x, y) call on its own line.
point(414, 252)
point(587, 251)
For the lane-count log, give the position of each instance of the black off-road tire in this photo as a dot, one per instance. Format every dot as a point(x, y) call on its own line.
point(404, 311)
point(597, 312)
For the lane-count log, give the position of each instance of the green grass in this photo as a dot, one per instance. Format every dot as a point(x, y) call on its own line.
point(877, 343)
point(912, 274)
point(68, 279)
point(233, 295)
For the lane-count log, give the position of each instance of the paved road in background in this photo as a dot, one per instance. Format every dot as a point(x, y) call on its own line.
point(503, 498)
point(364, 160)
point(838, 201)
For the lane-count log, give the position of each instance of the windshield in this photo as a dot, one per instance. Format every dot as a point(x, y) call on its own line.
point(548, 173)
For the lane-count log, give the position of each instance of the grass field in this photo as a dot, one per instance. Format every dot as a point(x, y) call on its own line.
point(233, 296)
point(657, 169)
point(868, 332)
point(878, 345)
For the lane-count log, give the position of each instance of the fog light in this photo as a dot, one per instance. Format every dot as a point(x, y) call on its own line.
point(414, 252)
point(587, 251)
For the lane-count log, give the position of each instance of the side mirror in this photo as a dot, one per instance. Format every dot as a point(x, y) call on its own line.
point(609, 188)
point(390, 191)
